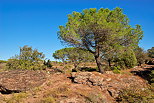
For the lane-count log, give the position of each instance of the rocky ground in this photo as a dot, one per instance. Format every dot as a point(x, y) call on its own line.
point(77, 87)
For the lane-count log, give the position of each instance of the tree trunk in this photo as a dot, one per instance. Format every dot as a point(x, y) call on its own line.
point(76, 65)
point(99, 64)
point(109, 61)
point(98, 59)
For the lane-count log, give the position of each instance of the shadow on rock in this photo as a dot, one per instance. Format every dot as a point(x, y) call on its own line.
point(145, 73)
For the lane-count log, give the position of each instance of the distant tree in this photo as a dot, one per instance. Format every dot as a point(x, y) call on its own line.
point(97, 30)
point(27, 59)
point(151, 52)
point(61, 54)
point(74, 55)
point(141, 55)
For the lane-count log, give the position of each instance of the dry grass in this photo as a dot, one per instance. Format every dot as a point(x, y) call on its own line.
point(48, 100)
point(2, 66)
point(94, 98)
point(16, 98)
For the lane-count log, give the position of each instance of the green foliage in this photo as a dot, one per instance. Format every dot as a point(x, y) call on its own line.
point(17, 98)
point(48, 100)
point(151, 52)
point(125, 59)
point(129, 59)
point(100, 32)
point(116, 69)
point(3, 61)
point(27, 59)
point(152, 77)
point(136, 95)
point(73, 55)
point(141, 56)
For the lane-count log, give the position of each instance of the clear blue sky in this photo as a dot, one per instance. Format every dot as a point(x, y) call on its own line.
point(35, 22)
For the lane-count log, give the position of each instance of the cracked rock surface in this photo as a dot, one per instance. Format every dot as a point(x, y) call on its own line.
point(112, 83)
point(20, 80)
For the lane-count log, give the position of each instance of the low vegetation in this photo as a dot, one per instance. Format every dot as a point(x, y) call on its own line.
point(94, 98)
point(136, 95)
point(3, 61)
point(27, 59)
point(17, 98)
point(48, 100)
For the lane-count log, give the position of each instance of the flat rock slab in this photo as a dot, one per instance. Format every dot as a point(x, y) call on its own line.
point(21, 80)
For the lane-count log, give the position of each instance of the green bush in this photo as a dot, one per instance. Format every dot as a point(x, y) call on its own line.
point(127, 59)
point(151, 52)
point(17, 98)
point(27, 59)
point(116, 69)
point(48, 100)
point(136, 95)
point(24, 64)
point(141, 56)
point(3, 61)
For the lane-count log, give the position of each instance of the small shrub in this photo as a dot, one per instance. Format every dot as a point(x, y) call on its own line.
point(48, 100)
point(61, 64)
point(37, 89)
point(136, 95)
point(116, 70)
point(17, 98)
point(27, 59)
point(126, 59)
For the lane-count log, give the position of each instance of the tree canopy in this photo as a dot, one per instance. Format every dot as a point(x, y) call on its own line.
point(100, 31)
point(73, 55)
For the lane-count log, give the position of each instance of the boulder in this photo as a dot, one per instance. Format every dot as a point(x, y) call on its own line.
point(87, 78)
